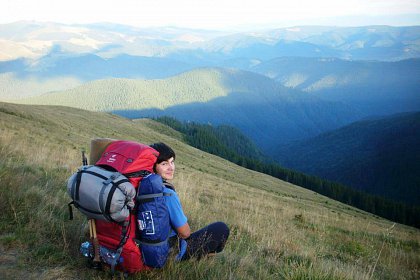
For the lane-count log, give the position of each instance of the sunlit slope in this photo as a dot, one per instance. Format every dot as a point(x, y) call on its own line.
point(200, 85)
point(278, 230)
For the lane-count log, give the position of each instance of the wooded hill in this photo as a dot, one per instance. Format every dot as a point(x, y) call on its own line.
point(379, 155)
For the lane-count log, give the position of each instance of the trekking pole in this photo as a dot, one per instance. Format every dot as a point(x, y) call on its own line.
point(91, 234)
point(96, 259)
point(90, 230)
point(84, 159)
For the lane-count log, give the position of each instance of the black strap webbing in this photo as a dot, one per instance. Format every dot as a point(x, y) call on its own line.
point(108, 202)
point(70, 210)
point(78, 180)
point(169, 185)
point(149, 197)
point(125, 231)
point(141, 173)
point(94, 174)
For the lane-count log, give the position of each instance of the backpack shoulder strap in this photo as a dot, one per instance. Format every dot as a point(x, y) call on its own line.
point(169, 185)
point(149, 197)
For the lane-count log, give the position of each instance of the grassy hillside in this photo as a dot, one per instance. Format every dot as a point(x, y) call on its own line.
point(380, 156)
point(278, 230)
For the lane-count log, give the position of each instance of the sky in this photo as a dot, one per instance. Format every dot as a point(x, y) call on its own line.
point(215, 14)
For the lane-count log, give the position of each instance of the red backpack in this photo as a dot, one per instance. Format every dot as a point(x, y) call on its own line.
point(134, 161)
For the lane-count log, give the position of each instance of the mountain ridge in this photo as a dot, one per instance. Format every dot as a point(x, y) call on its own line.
point(367, 42)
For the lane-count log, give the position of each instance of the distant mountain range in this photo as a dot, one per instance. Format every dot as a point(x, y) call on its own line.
point(380, 156)
point(36, 39)
point(277, 86)
point(41, 57)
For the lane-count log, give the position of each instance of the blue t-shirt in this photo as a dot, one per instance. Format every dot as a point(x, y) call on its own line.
point(177, 217)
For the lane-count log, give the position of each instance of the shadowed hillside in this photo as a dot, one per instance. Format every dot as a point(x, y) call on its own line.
point(278, 230)
point(380, 156)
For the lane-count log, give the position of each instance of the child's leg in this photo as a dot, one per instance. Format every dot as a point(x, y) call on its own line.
point(210, 239)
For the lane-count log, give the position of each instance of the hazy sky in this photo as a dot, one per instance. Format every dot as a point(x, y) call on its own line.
point(216, 14)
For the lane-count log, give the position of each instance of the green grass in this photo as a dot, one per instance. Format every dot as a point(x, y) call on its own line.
point(278, 230)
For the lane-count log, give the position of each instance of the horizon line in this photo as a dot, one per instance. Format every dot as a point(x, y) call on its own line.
point(237, 28)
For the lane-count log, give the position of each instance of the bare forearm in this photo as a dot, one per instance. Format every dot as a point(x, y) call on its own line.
point(184, 231)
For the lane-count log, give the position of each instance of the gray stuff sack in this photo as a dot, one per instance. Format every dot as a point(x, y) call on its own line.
point(101, 194)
